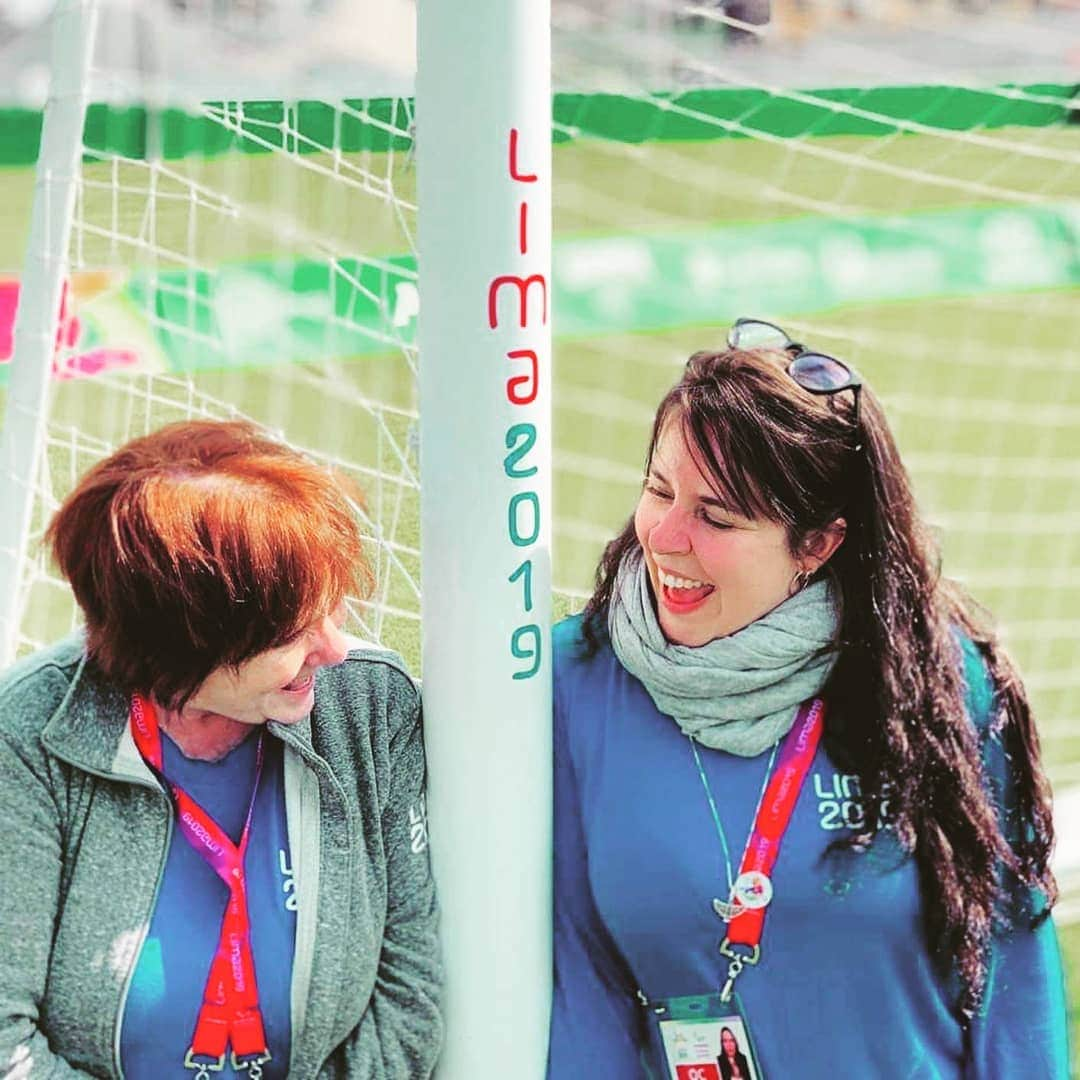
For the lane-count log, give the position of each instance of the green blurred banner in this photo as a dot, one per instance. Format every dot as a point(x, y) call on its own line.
point(259, 313)
point(268, 312)
point(705, 113)
point(811, 264)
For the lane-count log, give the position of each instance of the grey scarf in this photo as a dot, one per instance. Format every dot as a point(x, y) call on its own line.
point(738, 693)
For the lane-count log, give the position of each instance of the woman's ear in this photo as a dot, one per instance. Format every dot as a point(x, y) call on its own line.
point(819, 545)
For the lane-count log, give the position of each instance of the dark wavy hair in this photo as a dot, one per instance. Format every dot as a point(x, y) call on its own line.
point(896, 696)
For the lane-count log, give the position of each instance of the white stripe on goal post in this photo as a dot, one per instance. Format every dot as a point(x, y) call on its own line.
point(22, 437)
point(484, 225)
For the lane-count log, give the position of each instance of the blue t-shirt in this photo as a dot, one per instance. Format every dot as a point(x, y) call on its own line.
point(844, 986)
point(167, 986)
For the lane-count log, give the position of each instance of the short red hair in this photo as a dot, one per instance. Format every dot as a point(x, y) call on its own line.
point(200, 545)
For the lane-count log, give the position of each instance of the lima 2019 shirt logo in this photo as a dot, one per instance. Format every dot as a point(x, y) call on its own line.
point(418, 828)
point(839, 802)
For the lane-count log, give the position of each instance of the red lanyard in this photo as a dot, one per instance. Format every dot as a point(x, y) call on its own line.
point(770, 825)
point(774, 814)
point(230, 1012)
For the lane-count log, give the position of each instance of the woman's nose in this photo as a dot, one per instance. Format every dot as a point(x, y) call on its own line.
point(670, 536)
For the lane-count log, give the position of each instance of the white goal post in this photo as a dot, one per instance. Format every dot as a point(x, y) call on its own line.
point(22, 433)
point(484, 160)
point(154, 225)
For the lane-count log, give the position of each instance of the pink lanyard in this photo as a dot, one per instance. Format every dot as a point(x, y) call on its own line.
point(230, 1012)
point(770, 825)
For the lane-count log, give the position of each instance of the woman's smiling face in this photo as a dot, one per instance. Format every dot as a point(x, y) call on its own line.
point(278, 684)
point(712, 571)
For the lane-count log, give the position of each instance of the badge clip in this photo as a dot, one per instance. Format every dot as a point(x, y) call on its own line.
point(203, 1069)
point(253, 1064)
point(738, 960)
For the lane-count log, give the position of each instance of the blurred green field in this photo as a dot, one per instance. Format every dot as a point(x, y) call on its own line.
point(983, 391)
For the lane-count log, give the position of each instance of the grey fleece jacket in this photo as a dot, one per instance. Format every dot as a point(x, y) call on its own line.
point(84, 830)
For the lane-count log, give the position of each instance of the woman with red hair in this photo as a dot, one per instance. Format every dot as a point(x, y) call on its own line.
point(212, 800)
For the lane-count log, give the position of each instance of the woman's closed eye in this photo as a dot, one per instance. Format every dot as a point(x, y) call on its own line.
point(659, 492)
point(714, 523)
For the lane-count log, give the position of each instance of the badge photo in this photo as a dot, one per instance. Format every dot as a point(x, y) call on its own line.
point(708, 1048)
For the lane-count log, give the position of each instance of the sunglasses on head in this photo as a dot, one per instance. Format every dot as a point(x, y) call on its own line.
point(815, 372)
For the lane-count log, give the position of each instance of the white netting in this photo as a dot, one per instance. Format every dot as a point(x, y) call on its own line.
point(254, 259)
point(383, 467)
point(924, 225)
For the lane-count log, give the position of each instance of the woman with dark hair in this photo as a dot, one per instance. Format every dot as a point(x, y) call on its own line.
point(212, 800)
point(732, 1061)
point(797, 777)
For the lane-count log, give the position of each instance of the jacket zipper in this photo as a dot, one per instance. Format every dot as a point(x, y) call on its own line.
point(309, 814)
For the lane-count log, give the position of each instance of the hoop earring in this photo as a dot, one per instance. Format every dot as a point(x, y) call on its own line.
point(800, 581)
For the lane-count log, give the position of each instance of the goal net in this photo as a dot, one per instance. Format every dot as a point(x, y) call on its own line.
point(234, 257)
point(897, 183)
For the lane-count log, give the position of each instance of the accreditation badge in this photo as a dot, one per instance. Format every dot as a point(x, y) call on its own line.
point(705, 1038)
